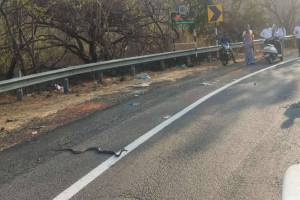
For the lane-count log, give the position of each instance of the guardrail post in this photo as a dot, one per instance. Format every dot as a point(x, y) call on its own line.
point(209, 57)
point(99, 77)
point(189, 61)
point(20, 94)
point(14, 85)
point(163, 64)
point(132, 70)
point(19, 91)
point(66, 85)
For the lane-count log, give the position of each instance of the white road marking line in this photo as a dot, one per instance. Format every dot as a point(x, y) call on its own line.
point(100, 169)
point(291, 184)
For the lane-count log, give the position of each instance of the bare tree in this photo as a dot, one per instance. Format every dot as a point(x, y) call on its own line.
point(11, 24)
point(283, 12)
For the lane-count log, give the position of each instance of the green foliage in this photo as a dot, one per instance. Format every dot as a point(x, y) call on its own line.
point(38, 35)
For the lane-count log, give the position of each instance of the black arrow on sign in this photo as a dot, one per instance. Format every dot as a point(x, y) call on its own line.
point(217, 13)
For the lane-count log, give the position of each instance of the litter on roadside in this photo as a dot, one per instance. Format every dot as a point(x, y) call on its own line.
point(137, 93)
point(34, 132)
point(143, 76)
point(40, 127)
point(206, 84)
point(59, 88)
point(133, 104)
point(11, 120)
point(142, 85)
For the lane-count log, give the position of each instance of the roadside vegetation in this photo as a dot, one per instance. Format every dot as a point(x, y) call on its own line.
point(41, 35)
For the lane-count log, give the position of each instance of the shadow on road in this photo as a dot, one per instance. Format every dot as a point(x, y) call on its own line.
point(260, 92)
point(292, 112)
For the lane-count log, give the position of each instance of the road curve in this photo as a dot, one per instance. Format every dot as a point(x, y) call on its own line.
point(235, 145)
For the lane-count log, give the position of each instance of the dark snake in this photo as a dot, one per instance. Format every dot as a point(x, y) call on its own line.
point(94, 149)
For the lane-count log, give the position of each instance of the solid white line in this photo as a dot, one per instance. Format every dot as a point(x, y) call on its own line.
point(291, 184)
point(92, 175)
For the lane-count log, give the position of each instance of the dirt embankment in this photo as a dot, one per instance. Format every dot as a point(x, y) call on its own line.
point(39, 113)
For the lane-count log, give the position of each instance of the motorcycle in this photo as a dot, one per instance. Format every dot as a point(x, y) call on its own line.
point(225, 53)
point(271, 51)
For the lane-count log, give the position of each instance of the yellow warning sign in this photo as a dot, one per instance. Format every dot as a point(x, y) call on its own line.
point(215, 13)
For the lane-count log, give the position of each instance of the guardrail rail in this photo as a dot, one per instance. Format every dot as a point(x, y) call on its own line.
point(34, 79)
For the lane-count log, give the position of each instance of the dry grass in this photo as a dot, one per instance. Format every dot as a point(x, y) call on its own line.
point(16, 114)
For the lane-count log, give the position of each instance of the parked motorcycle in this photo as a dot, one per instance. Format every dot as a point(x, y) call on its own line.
point(225, 53)
point(271, 50)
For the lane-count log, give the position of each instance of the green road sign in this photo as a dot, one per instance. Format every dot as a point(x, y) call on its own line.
point(185, 22)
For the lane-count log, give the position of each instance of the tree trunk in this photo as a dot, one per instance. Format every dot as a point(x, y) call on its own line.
point(93, 52)
point(12, 66)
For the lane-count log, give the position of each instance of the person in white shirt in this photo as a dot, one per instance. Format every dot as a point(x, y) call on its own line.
point(297, 35)
point(267, 33)
point(280, 33)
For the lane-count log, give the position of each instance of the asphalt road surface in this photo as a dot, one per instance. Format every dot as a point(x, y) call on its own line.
point(236, 144)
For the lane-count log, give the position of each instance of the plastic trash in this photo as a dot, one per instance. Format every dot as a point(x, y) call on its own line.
point(138, 93)
point(59, 88)
point(34, 132)
point(206, 84)
point(11, 120)
point(133, 104)
point(142, 85)
point(143, 76)
point(145, 84)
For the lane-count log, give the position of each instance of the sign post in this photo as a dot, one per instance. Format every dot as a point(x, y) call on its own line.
point(215, 14)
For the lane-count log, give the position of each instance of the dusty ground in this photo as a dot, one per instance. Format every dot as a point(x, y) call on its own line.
point(38, 113)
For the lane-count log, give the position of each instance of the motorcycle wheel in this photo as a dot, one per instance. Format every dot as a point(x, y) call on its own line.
point(269, 60)
point(224, 62)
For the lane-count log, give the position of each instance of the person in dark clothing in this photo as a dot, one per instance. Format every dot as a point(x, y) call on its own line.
point(223, 39)
point(248, 39)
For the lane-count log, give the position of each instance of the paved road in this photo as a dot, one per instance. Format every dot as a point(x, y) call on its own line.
point(236, 145)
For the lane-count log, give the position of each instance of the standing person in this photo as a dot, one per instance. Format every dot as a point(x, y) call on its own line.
point(297, 34)
point(267, 33)
point(280, 33)
point(248, 38)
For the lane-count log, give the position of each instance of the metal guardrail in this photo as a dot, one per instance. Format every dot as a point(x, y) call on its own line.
point(34, 79)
